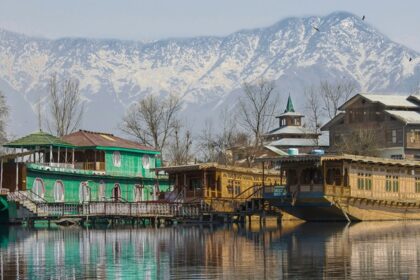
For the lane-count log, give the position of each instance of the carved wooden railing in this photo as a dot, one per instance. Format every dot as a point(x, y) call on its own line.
point(127, 209)
point(333, 190)
point(109, 208)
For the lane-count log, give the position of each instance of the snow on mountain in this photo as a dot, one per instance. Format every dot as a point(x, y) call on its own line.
point(206, 71)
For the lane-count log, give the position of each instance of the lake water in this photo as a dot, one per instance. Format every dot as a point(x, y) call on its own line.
point(368, 250)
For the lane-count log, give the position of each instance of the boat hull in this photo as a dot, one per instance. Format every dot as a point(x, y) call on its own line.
point(319, 207)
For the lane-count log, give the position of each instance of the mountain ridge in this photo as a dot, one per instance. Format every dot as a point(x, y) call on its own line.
point(207, 71)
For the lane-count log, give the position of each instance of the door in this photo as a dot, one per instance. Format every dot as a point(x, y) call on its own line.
point(58, 191)
point(116, 192)
point(38, 189)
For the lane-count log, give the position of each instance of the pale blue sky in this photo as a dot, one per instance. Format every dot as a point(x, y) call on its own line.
point(157, 19)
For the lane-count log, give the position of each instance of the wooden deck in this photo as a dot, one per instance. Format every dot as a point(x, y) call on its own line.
point(29, 207)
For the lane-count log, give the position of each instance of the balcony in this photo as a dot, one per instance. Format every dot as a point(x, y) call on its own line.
point(83, 168)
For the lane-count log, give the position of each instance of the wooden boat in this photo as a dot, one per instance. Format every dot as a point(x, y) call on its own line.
point(347, 188)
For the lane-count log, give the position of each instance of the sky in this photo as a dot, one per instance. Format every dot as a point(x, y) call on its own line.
point(156, 19)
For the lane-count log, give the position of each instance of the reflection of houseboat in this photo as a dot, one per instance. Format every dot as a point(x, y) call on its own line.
point(347, 187)
point(80, 167)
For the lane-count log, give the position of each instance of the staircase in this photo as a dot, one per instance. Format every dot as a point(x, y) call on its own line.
point(26, 205)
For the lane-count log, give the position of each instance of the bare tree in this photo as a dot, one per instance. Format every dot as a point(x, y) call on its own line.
point(314, 112)
point(214, 145)
point(257, 107)
point(152, 120)
point(335, 94)
point(66, 107)
point(208, 143)
point(359, 142)
point(179, 151)
point(4, 113)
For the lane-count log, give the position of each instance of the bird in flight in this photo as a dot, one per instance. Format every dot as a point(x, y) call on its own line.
point(316, 28)
point(410, 59)
point(363, 17)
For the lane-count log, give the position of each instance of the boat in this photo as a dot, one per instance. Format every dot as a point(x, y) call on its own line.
point(40, 171)
point(347, 188)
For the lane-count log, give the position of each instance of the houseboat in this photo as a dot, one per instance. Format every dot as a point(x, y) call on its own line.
point(347, 187)
point(222, 187)
point(81, 167)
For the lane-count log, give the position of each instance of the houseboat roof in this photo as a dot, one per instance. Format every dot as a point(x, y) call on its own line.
point(37, 139)
point(213, 166)
point(346, 157)
point(85, 138)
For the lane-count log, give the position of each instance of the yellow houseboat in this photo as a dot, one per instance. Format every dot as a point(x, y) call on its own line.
point(223, 187)
point(347, 187)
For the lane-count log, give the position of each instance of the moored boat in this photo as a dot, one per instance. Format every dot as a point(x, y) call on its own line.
point(347, 188)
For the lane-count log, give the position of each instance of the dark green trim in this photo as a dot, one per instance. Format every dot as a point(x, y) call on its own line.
point(105, 148)
point(94, 176)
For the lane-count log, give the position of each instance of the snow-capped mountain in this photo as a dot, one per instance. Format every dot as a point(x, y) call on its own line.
point(206, 71)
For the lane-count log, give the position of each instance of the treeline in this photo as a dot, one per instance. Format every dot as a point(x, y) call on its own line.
point(157, 122)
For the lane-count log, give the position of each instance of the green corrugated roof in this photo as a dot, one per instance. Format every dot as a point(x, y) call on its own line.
point(39, 138)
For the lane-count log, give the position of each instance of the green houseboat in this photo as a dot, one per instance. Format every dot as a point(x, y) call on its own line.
point(80, 167)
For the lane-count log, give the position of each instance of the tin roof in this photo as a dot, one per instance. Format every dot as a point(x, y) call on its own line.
point(388, 100)
point(40, 139)
point(409, 117)
point(84, 138)
point(215, 166)
point(348, 157)
point(290, 129)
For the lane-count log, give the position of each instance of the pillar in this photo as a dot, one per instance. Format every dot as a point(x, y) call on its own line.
point(72, 156)
point(51, 154)
point(58, 155)
point(185, 185)
point(17, 174)
point(204, 188)
point(1, 174)
point(65, 156)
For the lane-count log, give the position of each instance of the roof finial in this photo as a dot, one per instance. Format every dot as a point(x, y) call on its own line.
point(289, 106)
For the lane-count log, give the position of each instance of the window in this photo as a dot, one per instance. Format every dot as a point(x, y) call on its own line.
point(146, 162)
point(396, 156)
point(138, 193)
point(116, 192)
point(116, 159)
point(38, 189)
point(58, 191)
point(388, 183)
point(230, 186)
point(237, 185)
point(101, 191)
point(417, 185)
point(368, 181)
point(392, 184)
point(360, 181)
point(395, 184)
point(364, 181)
point(84, 192)
point(394, 136)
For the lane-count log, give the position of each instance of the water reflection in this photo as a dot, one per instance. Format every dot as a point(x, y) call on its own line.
point(295, 250)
